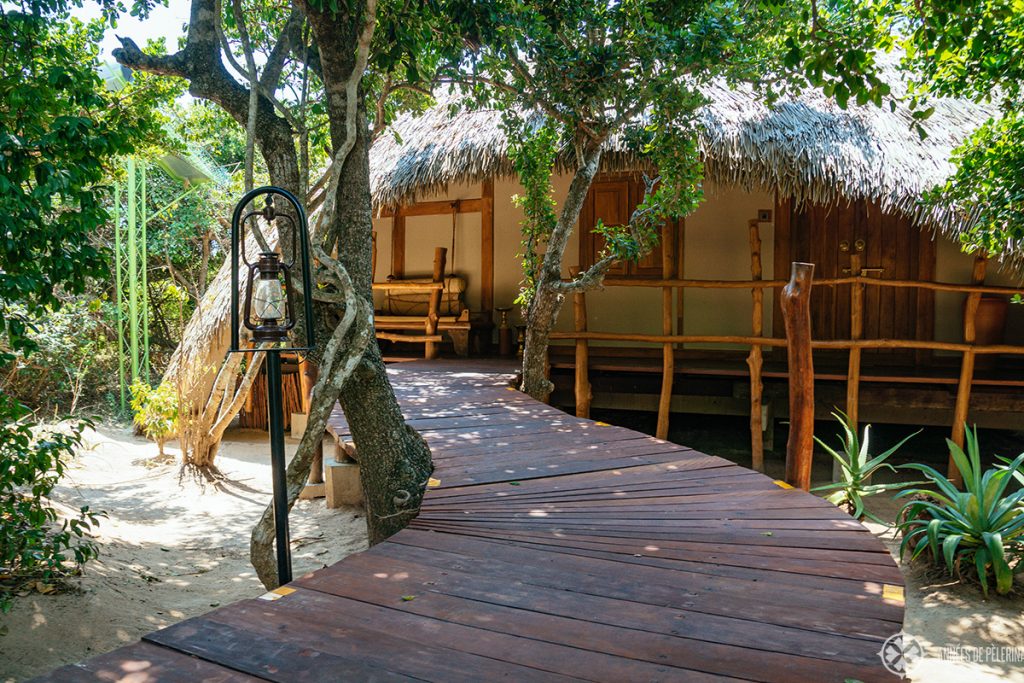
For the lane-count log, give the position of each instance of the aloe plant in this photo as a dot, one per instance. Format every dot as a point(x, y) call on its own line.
point(856, 466)
point(982, 525)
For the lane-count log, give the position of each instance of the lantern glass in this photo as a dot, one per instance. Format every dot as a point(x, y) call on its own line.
point(268, 299)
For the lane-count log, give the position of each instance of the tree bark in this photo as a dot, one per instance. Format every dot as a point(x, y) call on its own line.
point(549, 295)
point(395, 461)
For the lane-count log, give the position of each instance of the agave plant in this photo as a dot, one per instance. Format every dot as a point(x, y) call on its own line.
point(856, 465)
point(981, 526)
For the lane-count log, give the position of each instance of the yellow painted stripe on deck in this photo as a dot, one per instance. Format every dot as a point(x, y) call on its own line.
point(601, 424)
point(781, 484)
point(277, 593)
point(890, 592)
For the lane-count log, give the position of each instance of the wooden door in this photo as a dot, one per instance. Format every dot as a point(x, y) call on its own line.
point(612, 201)
point(889, 247)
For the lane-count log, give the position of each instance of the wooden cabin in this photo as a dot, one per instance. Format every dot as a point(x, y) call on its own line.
point(695, 326)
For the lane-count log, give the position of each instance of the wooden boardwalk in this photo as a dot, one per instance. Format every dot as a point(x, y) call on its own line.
point(554, 549)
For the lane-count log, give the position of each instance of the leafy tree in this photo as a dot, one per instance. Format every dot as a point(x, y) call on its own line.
point(35, 544)
point(299, 76)
point(59, 130)
point(975, 49)
point(156, 411)
point(632, 70)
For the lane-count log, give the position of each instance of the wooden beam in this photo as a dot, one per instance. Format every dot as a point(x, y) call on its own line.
point(430, 327)
point(781, 242)
point(796, 317)
point(667, 350)
point(487, 247)
point(442, 207)
point(963, 390)
point(853, 367)
point(582, 364)
point(398, 246)
point(755, 359)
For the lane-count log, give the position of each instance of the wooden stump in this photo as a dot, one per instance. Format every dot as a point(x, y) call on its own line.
point(796, 315)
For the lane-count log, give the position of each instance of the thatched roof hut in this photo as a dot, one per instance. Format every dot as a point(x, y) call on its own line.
point(806, 147)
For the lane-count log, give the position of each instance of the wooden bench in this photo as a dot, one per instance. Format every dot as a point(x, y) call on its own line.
point(430, 328)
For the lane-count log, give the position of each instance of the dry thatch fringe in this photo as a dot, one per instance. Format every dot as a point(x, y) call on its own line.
point(806, 147)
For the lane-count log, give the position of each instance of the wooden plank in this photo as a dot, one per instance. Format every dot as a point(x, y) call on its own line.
point(557, 548)
point(435, 208)
point(682, 650)
point(145, 662)
point(310, 636)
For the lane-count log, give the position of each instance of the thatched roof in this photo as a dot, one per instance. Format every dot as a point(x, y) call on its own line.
point(806, 147)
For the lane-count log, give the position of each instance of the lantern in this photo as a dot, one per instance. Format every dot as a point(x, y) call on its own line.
point(269, 313)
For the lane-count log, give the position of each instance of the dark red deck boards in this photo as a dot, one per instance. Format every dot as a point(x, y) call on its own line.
point(556, 549)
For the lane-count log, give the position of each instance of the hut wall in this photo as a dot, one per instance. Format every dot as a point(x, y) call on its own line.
point(952, 265)
point(716, 247)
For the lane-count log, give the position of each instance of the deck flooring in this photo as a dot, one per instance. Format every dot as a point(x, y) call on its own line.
point(558, 549)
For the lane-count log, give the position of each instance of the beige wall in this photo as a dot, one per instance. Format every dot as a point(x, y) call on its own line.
point(716, 247)
point(952, 265)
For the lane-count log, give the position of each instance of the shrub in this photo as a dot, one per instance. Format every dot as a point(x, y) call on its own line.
point(856, 465)
point(981, 527)
point(156, 411)
point(34, 544)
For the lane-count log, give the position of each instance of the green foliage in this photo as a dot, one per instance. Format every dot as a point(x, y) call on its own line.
point(981, 527)
point(156, 411)
point(987, 181)
point(857, 466)
point(35, 544)
point(74, 362)
point(59, 128)
point(975, 49)
point(532, 150)
point(633, 70)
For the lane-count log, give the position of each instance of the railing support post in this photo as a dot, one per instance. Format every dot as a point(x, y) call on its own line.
point(583, 392)
point(796, 315)
point(755, 360)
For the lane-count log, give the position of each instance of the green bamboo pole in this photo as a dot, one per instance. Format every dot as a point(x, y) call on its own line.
point(144, 267)
point(133, 290)
point(118, 285)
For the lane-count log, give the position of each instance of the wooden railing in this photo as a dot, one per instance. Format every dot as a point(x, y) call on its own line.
point(757, 341)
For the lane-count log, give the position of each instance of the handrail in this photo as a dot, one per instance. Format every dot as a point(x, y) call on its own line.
point(968, 348)
point(818, 282)
point(777, 342)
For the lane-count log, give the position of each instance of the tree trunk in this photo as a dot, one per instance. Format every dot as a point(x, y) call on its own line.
point(394, 460)
point(548, 297)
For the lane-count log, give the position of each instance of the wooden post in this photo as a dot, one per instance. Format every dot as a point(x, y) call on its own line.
point(668, 361)
point(963, 389)
point(796, 317)
point(583, 391)
point(853, 369)
point(487, 248)
point(755, 359)
point(373, 257)
point(440, 257)
point(309, 372)
point(398, 244)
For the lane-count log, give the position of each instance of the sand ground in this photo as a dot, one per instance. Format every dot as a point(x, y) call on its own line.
point(170, 549)
point(174, 549)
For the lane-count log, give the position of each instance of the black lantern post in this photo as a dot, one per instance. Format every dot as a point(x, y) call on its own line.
point(269, 313)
